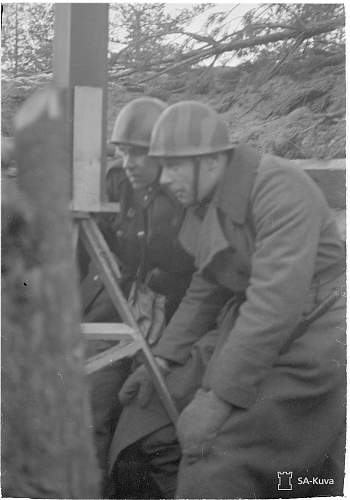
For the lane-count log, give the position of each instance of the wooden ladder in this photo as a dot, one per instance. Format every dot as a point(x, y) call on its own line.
point(127, 333)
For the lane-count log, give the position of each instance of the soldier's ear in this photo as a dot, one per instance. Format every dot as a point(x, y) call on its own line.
point(215, 160)
point(222, 159)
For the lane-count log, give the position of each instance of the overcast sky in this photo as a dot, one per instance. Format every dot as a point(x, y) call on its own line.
point(236, 10)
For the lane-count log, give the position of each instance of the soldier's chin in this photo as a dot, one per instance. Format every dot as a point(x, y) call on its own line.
point(136, 183)
point(182, 198)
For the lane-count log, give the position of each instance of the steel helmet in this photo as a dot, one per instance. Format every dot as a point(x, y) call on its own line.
point(189, 128)
point(135, 121)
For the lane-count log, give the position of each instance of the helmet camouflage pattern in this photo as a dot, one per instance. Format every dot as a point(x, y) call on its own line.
point(189, 128)
point(135, 121)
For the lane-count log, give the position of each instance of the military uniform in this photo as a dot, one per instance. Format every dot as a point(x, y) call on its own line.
point(144, 234)
point(267, 252)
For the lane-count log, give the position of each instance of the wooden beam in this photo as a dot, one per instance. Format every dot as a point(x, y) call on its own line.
point(109, 207)
point(87, 148)
point(110, 356)
point(80, 44)
point(80, 60)
point(110, 274)
point(329, 175)
point(107, 331)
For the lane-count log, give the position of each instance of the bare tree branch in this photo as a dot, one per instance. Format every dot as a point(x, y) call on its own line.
point(262, 27)
point(264, 40)
point(200, 38)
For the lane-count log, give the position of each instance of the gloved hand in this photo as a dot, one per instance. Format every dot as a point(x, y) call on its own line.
point(140, 384)
point(200, 422)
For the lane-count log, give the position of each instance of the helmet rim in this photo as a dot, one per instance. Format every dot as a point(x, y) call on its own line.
point(190, 152)
point(144, 144)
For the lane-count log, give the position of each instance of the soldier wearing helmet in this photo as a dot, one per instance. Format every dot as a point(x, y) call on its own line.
point(131, 134)
point(143, 236)
point(255, 352)
point(146, 229)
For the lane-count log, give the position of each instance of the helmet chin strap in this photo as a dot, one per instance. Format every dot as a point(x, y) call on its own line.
point(195, 187)
point(157, 180)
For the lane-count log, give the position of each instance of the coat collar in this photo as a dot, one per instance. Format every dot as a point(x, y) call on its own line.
point(145, 197)
point(233, 192)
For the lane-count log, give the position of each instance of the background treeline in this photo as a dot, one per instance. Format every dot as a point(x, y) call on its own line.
point(278, 71)
point(148, 39)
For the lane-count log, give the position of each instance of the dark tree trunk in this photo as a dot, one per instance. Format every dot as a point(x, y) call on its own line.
point(46, 437)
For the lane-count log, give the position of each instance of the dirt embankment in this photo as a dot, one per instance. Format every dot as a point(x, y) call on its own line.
point(297, 114)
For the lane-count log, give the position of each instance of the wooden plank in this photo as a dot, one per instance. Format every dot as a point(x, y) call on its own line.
point(109, 206)
point(75, 235)
point(87, 148)
point(108, 270)
point(110, 356)
point(107, 331)
point(318, 164)
point(107, 328)
point(329, 175)
point(333, 184)
point(111, 337)
point(80, 44)
point(100, 253)
point(80, 59)
point(62, 46)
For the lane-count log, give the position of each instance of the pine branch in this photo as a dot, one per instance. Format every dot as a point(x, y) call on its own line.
point(235, 45)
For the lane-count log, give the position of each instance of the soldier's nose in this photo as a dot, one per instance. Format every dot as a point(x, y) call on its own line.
point(128, 163)
point(165, 178)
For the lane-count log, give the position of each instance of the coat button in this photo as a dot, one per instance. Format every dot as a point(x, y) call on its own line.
point(120, 233)
point(96, 277)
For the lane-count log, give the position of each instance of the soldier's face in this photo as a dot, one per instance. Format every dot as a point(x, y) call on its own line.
point(178, 177)
point(139, 168)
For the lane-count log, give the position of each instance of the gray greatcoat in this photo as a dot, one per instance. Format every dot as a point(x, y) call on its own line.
point(267, 252)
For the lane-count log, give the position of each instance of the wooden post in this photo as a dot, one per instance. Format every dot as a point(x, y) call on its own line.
point(47, 442)
point(80, 65)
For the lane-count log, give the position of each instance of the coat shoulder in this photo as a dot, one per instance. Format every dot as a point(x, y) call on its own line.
point(279, 174)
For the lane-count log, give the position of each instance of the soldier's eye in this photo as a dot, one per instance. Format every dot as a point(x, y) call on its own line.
point(123, 151)
point(139, 151)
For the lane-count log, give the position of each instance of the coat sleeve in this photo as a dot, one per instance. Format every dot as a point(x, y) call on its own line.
point(287, 215)
point(195, 316)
